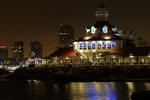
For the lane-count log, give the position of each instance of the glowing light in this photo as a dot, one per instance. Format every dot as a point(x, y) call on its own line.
point(93, 50)
point(87, 37)
point(113, 57)
point(81, 51)
point(67, 58)
point(115, 29)
point(87, 30)
point(107, 37)
point(93, 30)
point(75, 43)
point(105, 29)
point(63, 33)
point(131, 56)
point(3, 47)
point(37, 62)
point(149, 55)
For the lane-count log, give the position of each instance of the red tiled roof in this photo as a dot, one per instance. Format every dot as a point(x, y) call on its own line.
point(64, 52)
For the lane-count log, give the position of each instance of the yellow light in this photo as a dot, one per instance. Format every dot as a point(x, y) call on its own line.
point(75, 43)
point(131, 56)
point(107, 37)
point(93, 50)
point(87, 37)
point(113, 57)
point(81, 51)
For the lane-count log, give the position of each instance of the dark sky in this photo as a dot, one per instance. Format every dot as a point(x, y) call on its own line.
point(40, 19)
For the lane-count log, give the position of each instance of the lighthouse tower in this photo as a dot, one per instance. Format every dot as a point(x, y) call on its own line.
point(102, 13)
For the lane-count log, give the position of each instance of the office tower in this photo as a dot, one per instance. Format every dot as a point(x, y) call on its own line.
point(102, 13)
point(17, 50)
point(36, 49)
point(66, 35)
point(3, 52)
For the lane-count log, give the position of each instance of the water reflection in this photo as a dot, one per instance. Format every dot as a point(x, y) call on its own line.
point(93, 91)
point(38, 90)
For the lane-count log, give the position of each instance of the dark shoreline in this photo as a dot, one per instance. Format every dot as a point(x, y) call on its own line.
point(83, 73)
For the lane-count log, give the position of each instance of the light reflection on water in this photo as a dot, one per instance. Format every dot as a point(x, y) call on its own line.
point(38, 90)
point(93, 91)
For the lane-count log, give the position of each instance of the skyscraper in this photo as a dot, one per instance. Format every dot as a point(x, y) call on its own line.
point(17, 50)
point(36, 49)
point(102, 13)
point(66, 35)
point(3, 52)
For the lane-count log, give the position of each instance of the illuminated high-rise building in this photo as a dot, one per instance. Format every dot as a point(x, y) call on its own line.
point(102, 13)
point(36, 49)
point(66, 35)
point(17, 50)
point(3, 52)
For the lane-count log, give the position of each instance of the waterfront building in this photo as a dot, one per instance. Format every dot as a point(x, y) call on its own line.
point(103, 43)
point(17, 50)
point(36, 50)
point(102, 38)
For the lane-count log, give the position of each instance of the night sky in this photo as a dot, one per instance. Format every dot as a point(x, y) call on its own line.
point(40, 19)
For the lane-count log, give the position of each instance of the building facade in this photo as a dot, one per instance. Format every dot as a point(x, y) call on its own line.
point(66, 35)
point(102, 38)
point(3, 52)
point(17, 51)
point(36, 50)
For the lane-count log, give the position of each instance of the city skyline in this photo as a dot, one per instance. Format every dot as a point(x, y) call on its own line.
point(40, 20)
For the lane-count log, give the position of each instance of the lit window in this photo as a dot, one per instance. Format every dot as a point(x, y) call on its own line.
point(108, 45)
point(93, 30)
point(93, 45)
point(89, 45)
point(114, 44)
point(84, 45)
point(99, 45)
point(81, 45)
point(105, 29)
point(104, 45)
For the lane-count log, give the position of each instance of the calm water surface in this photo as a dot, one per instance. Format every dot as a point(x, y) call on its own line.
point(38, 90)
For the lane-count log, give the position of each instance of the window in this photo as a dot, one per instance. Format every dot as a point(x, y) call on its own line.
point(114, 44)
point(89, 45)
point(99, 45)
point(84, 45)
point(93, 45)
point(109, 45)
point(81, 45)
point(103, 45)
